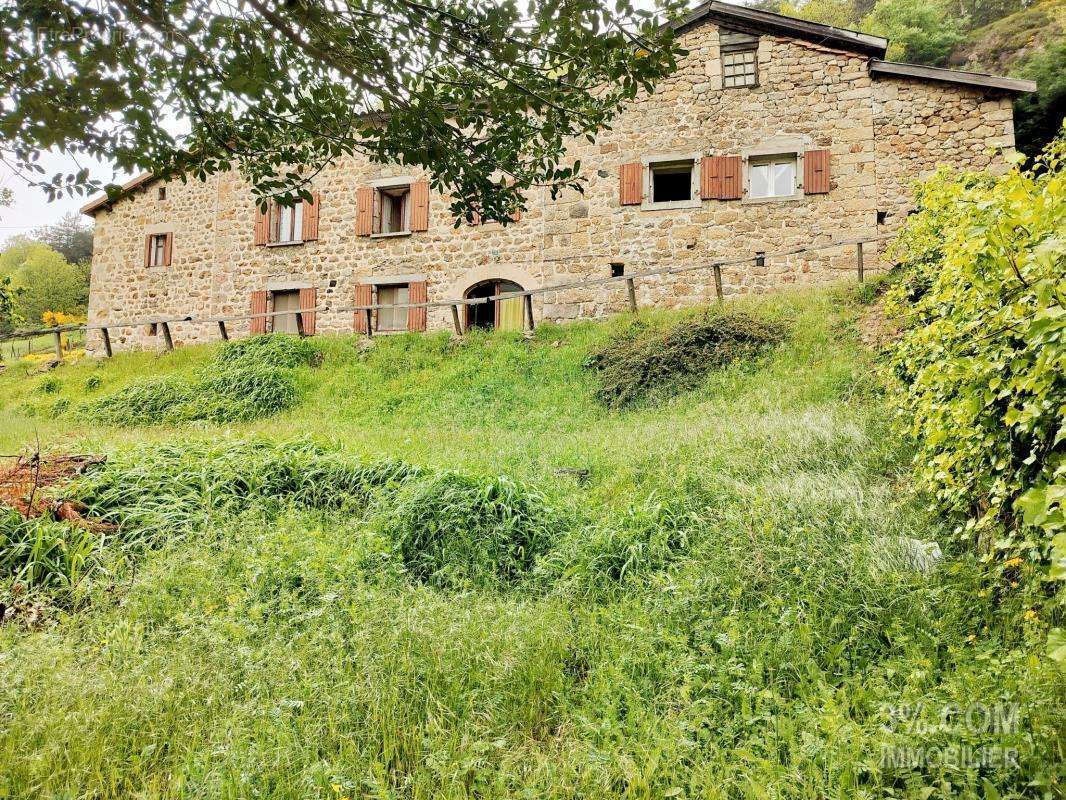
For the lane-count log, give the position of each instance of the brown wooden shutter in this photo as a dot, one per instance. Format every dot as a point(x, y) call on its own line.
point(364, 220)
point(168, 249)
point(816, 172)
point(631, 188)
point(710, 179)
point(310, 222)
point(420, 206)
point(308, 300)
point(364, 296)
point(731, 182)
point(416, 317)
point(259, 306)
point(148, 251)
point(262, 226)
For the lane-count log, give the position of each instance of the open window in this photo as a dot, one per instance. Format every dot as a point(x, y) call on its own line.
point(671, 181)
point(739, 59)
point(391, 318)
point(772, 176)
point(157, 249)
point(393, 209)
point(286, 223)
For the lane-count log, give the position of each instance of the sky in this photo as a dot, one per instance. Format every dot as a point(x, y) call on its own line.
point(32, 209)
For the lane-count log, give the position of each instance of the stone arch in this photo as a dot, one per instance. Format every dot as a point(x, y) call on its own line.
point(488, 272)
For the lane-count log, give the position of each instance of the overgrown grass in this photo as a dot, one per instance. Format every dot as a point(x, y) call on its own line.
point(412, 601)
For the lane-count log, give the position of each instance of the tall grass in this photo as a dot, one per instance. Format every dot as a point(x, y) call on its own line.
point(426, 607)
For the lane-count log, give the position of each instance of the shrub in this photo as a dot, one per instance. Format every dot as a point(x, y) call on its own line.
point(983, 355)
point(647, 362)
point(454, 531)
point(42, 554)
point(246, 380)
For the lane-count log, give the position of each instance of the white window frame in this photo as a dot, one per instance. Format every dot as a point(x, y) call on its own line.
point(780, 146)
point(157, 253)
point(649, 164)
point(403, 311)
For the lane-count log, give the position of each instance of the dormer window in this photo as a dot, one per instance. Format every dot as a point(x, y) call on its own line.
point(739, 59)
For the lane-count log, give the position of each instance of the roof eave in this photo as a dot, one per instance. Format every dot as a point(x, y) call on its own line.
point(976, 79)
point(853, 41)
point(104, 201)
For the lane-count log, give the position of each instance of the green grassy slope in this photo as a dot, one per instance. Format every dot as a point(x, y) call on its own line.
point(720, 610)
point(1002, 45)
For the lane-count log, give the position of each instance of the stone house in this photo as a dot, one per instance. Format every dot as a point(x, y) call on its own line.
point(774, 134)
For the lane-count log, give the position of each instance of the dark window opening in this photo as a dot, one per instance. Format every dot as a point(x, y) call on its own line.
point(162, 192)
point(760, 259)
point(882, 217)
point(671, 182)
point(617, 269)
point(393, 213)
point(503, 314)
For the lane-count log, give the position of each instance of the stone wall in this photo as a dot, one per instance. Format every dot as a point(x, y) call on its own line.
point(808, 97)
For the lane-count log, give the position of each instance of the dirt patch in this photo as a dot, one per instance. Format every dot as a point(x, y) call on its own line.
point(28, 484)
point(876, 330)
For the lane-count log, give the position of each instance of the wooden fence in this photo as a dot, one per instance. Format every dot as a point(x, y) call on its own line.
point(163, 324)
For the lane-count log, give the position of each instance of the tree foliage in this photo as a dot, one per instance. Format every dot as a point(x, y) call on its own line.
point(483, 95)
point(70, 237)
point(41, 281)
point(1038, 115)
point(982, 361)
point(919, 31)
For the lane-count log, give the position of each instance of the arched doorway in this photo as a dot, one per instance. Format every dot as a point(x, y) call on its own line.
point(506, 315)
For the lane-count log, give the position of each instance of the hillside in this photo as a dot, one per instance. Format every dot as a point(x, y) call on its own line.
point(1002, 46)
point(448, 569)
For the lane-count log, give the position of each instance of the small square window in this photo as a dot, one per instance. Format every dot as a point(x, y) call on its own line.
point(882, 217)
point(772, 176)
point(618, 269)
point(286, 223)
point(393, 319)
point(392, 213)
point(162, 193)
point(739, 59)
point(671, 181)
point(157, 251)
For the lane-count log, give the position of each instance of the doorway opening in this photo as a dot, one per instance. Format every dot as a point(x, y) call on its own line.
point(506, 315)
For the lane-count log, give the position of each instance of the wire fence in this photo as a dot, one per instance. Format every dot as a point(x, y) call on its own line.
point(162, 324)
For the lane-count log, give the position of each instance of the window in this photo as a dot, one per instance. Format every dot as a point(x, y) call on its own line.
point(772, 176)
point(882, 217)
point(286, 223)
point(288, 300)
point(393, 210)
point(157, 251)
point(162, 193)
point(671, 181)
point(618, 269)
point(739, 59)
point(393, 319)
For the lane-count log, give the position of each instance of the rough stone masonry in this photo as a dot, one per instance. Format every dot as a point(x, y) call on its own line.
point(819, 143)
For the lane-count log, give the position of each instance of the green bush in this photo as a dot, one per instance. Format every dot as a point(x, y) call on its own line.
point(246, 380)
point(648, 363)
point(39, 554)
point(982, 360)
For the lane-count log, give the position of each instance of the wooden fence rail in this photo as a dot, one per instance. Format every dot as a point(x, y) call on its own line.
point(163, 324)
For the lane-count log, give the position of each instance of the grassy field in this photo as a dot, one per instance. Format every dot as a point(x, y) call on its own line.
point(448, 570)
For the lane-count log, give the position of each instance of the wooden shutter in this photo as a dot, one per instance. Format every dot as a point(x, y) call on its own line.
point(631, 185)
point(364, 296)
point(259, 306)
point(262, 226)
point(710, 178)
point(308, 300)
point(420, 206)
point(364, 220)
point(310, 222)
point(731, 184)
point(148, 251)
point(416, 317)
point(816, 172)
point(168, 249)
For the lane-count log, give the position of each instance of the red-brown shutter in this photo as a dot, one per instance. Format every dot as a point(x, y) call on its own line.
point(262, 226)
point(259, 306)
point(416, 317)
point(168, 249)
point(310, 221)
point(148, 251)
point(420, 206)
point(710, 179)
point(631, 188)
point(364, 296)
point(308, 300)
point(731, 182)
point(364, 220)
point(816, 172)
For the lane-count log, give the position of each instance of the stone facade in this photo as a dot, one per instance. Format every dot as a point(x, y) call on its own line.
point(881, 134)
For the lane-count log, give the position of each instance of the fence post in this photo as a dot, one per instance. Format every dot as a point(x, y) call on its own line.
point(222, 330)
point(631, 290)
point(107, 342)
point(168, 341)
point(528, 308)
point(858, 259)
point(455, 321)
point(369, 320)
point(59, 344)
point(718, 282)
